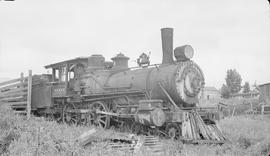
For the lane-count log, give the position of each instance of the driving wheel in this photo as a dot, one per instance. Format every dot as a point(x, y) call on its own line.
point(96, 117)
point(69, 114)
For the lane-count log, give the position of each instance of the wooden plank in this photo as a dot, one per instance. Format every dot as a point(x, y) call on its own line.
point(18, 103)
point(188, 127)
point(266, 112)
point(20, 112)
point(21, 98)
point(209, 132)
point(18, 106)
point(87, 137)
point(29, 94)
point(208, 142)
point(192, 127)
point(219, 129)
point(21, 77)
point(184, 126)
point(12, 91)
point(16, 94)
point(202, 129)
point(233, 111)
point(201, 125)
point(189, 133)
point(10, 81)
point(12, 86)
point(219, 133)
point(213, 132)
point(195, 127)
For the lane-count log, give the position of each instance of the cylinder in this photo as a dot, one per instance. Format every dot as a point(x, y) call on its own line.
point(154, 117)
point(167, 45)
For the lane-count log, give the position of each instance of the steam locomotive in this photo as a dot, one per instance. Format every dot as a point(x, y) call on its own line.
point(148, 98)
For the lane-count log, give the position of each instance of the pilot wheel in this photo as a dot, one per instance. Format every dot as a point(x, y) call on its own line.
point(173, 130)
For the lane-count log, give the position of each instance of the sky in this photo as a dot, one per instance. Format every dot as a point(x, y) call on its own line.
point(231, 34)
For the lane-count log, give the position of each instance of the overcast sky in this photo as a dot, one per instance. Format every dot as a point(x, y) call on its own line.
point(231, 34)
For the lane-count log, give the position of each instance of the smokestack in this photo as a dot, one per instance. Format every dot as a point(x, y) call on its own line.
point(167, 45)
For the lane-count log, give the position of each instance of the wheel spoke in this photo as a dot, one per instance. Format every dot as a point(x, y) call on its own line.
point(98, 119)
point(173, 131)
point(102, 116)
point(102, 121)
point(73, 119)
point(100, 125)
point(100, 107)
point(68, 116)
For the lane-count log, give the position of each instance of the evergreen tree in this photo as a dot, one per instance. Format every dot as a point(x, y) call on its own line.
point(246, 87)
point(233, 81)
point(225, 91)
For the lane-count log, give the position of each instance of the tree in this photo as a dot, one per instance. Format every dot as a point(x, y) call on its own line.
point(233, 81)
point(225, 91)
point(246, 87)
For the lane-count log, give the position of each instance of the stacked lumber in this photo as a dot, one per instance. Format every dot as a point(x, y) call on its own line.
point(120, 141)
point(194, 129)
point(153, 144)
point(111, 139)
point(17, 94)
point(102, 135)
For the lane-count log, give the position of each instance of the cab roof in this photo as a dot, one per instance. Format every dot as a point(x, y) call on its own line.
point(71, 61)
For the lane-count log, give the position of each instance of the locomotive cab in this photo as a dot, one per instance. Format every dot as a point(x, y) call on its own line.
point(65, 75)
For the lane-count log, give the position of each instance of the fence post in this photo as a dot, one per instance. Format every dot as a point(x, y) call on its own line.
point(29, 94)
point(233, 111)
point(262, 110)
point(22, 77)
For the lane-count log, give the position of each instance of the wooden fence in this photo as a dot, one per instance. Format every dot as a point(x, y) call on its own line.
point(264, 90)
point(265, 109)
point(17, 94)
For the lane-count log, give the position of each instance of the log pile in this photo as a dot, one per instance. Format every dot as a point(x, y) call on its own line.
point(195, 130)
point(17, 94)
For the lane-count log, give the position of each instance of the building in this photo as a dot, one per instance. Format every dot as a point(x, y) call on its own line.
point(252, 94)
point(210, 92)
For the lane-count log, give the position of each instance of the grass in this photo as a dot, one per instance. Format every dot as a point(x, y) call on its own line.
point(18, 136)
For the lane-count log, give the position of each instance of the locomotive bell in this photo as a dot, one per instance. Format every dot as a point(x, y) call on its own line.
point(183, 53)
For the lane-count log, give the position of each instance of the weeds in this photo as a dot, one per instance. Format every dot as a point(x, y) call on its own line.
point(249, 136)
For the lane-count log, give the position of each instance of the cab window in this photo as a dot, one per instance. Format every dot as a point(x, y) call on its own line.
point(71, 75)
point(62, 74)
point(56, 76)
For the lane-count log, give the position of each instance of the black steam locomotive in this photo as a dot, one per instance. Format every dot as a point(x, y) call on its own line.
point(148, 98)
